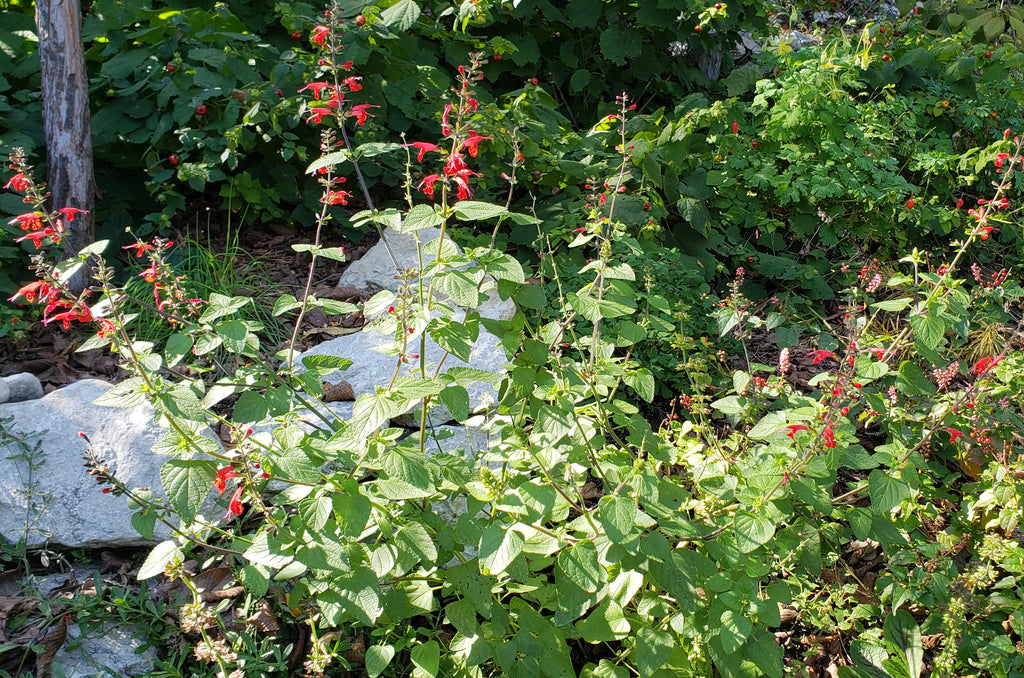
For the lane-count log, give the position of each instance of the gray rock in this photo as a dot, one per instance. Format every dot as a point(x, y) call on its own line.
point(70, 509)
point(375, 270)
point(371, 368)
point(113, 650)
point(23, 386)
point(5, 391)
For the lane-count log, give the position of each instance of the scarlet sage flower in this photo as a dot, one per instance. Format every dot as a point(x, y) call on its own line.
point(223, 475)
point(462, 184)
point(878, 353)
point(337, 197)
point(80, 314)
point(735, 127)
point(37, 236)
point(317, 115)
point(985, 231)
point(1000, 157)
point(106, 327)
point(445, 128)
point(236, 501)
point(352, 82)
point(427, 185)
point(30, 291)
point(829, 437)
point(70, 212)
point(315, 88)
point(139, 247)
point(27, 222)
point(150, 274)
point(320, 34)
point(954, 434)
point(470, 144)
point(360, 114)
point(793, 428)
point(19, 182)
point(423, 147)
point(985, 364)
point(820, 355)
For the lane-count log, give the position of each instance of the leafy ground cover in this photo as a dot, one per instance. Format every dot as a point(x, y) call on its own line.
point(761, 415)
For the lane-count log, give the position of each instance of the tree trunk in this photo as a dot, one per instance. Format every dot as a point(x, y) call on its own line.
point(66, 120)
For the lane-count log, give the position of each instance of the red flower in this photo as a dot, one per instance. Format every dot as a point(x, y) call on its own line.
point(455, 164)
point(820, 355)
point(360, 114)
point(471, 143)
point(81, 314)
point(878, 353)
point(735, 127)
point(19, 182)
point(139, 247)
point(223, 475)
point(30, 290)
point(37, 236)
point(829, 437)
point(106, 327)
point(461, 180)
point(315, 88)
point(150, 274)
point(1000, 157)
point(320, 34)
point(985, 231)
point(910, 204)
point(318, 114)
point(954, 434)
point(445, 129)
point(352, 82)
point(337, 197)
point(70, 212)
point(423, 147)
point(427, 185)
point(236, 501)
point(27, 222)
point(793, 428)
point(985, 364)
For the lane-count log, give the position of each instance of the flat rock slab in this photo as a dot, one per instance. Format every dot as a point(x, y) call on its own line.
point(112, 650)
point(371, 368)
point(69, 507)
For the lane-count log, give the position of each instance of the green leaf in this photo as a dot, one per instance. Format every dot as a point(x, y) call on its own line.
point(187, 483)
point(268, 551)
point(459, 286)
point(421, 216)
point(618, 517)
point(928, 329)
point(407, 464)
point(455, 398)
point(220, 305)
point(401, 16)
point(426, 658)
point(233, 334)
point(902, 631)
point(606, 623)
point(129, 393)
point(250, 408)
point(752, 530)
point(453, 336)
point(144, 521)
point(415, 545)
point(893, 305)
point(356, 594)
point(255, 580)
point(580, 564)
point(652, 650)
point(505, 267)
point(286, 303)
point(325, 364)
point(157, 560)
point(642, 381)
point(335, 158)
point(377, 659)
point(886, 492)
point(498, 548)
point(471, 210)
point(736, 628)
point(911, 380)
point(332, 253)
point(178, 346)
point(579, 80)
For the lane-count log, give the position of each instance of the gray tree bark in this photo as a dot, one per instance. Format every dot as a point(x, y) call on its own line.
point(66, 120)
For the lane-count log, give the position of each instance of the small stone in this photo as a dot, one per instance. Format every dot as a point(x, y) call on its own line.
point(111, 650)
point(23, 386)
